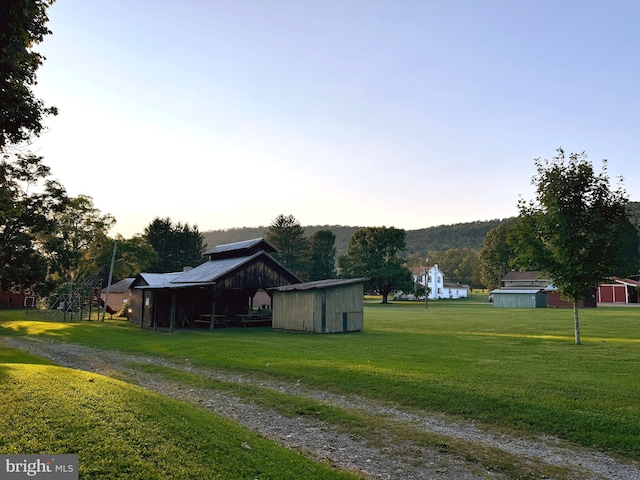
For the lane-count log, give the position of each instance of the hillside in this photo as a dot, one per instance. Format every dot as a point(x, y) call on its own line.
point(440, 237)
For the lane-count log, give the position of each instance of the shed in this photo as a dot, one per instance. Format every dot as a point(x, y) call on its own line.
point(119, 293)
point(324, 306)
point(519, 298)
point(618, 290)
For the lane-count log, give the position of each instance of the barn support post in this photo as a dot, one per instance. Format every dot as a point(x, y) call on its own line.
point(212, 322)
point(172, 313)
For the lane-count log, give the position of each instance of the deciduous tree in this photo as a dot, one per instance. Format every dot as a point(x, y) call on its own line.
point(576, 228)
point(22, 26)
point(497, 255)
point(133, 256)
point(76, 226)
point(373, 253)
point(29, 201)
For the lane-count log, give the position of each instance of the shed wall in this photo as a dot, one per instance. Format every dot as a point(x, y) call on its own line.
point(294, 310)
point(321, 310)
point(519, 300)
point(344, 309)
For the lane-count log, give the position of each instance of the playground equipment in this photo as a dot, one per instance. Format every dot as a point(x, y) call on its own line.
point(79, 300)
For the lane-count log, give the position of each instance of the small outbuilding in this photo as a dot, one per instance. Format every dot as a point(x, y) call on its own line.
point(519, 298)
point(324, 306)
point(619, 290)
point(555, 300)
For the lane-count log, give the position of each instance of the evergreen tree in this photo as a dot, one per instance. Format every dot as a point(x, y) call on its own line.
point(286, 234)
point(323, 255)
point(178, 246)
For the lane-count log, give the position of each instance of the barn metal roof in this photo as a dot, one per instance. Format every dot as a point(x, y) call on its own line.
point(243, 245)
point(159, 280)
point(212, 270)
point(318, 284)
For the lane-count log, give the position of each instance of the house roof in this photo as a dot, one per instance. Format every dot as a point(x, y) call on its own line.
point(531, 275)
point(454, 285)
point(319, 284)
point(121, 286)
point(243, 248)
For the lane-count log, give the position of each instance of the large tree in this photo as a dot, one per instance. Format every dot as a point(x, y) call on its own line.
point(373, 253)
point(133, 256)
point(459, 264)
point(22, 26)
point(497, 255)
point(75, 228)
point(287, 235)
point(323, 255)
point(178, 246)
point(29, 202)
point(576, 228)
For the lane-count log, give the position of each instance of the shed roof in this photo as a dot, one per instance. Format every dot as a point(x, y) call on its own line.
point(158, 280)
point(622, 281)
point(517, 290)
point(121, 286)
point(319, 284)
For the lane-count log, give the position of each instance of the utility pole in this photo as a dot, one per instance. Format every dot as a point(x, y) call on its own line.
point(113, 261)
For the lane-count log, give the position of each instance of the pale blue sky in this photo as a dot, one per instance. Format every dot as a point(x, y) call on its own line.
point(400, 113)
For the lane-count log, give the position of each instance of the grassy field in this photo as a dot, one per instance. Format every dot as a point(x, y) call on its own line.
point(512, 369)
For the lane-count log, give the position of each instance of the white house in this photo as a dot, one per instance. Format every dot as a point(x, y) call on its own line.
point(433, 277)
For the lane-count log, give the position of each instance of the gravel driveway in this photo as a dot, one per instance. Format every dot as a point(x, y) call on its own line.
point(321, 441)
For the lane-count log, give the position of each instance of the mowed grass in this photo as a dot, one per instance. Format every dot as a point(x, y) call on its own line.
point(123, 431)
point(511, 369)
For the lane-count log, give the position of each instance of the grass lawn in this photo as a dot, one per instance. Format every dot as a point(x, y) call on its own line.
point(122, 431)
point(512, 369)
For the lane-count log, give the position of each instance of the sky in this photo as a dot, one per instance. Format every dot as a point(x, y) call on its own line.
point(227, 113)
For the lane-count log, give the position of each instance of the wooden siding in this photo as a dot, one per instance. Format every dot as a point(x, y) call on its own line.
point(320, 310)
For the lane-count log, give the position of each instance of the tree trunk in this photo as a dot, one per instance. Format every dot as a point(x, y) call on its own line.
point(384, 297)
point(576, 322)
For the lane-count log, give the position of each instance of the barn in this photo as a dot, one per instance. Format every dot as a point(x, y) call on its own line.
point(519, 298)
point(618, 290)
point(555, 300)
point(324, 306)
point(218, 293)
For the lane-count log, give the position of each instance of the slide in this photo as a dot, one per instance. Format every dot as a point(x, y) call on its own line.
point(110, 310)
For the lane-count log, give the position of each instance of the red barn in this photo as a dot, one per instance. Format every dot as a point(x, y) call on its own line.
point(618, 290)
